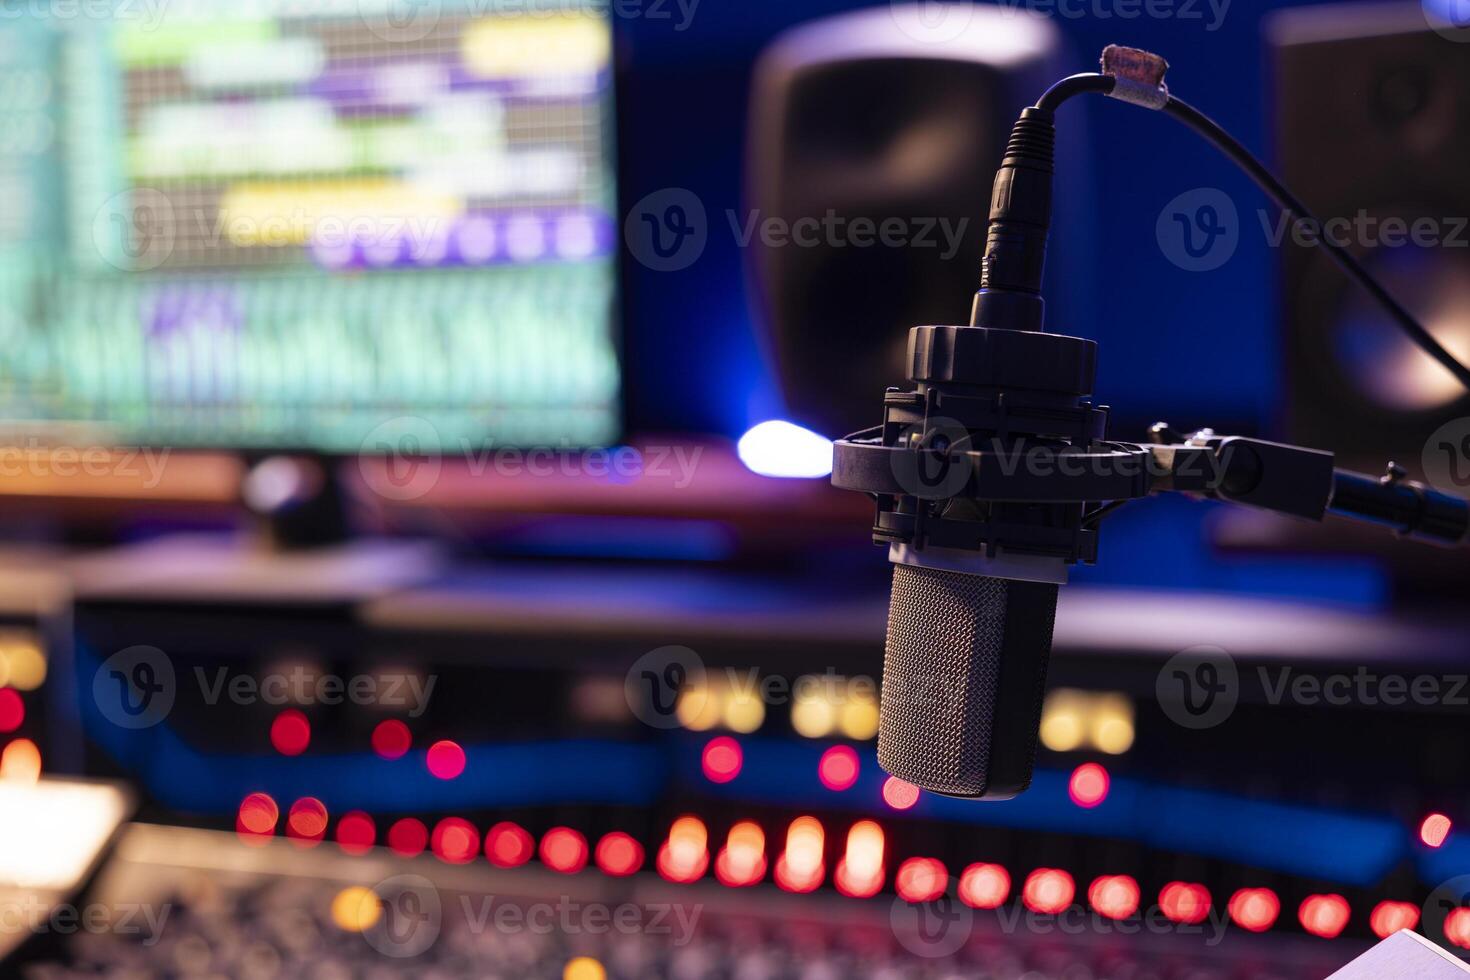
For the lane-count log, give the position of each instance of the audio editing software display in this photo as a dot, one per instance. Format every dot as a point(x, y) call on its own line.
point(309, 224)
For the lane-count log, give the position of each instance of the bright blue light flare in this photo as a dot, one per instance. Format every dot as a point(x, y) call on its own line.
point(778, 448)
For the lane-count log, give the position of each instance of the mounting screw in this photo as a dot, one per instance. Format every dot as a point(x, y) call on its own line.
point(1393, 474)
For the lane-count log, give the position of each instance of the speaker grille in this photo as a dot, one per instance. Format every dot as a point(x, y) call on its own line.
point(965, 660)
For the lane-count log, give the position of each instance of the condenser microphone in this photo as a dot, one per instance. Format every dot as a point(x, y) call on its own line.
point(965, 470)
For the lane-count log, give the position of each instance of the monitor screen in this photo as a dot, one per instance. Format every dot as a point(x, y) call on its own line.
point(310, 224)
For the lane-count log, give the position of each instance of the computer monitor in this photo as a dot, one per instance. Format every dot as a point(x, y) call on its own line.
point(309, 224)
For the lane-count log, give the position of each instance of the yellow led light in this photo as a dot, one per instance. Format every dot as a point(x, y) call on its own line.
point(583, 968)
point(698, 708)
point(25, 664)
point(743, 711)
point(859, 719)
point(356, 909)
point(1063, 720)
point(814, 717)
point(21, 761)
point(1111, 724)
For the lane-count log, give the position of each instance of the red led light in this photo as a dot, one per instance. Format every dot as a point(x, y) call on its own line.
point(799, 868)
point(392, 739)
point(838, 769)
point(1434, 829)
point(306, 822)
point(742, 861)
point(1183, 901)
point(256, 819)
point(1324, 915)
point(899, 794)
point(508, 845)
point(1254, 909)
point(619, 854)
point(920, 879)
point(408, 837)
point(455, 841)
point(1114, 896)
point(1457, 928)
point(1389, 917)
point(1048, 891)
point(985, 886)
point(445, 759)
point(356, 832)
point(722, 759)
point(12, 710)
point(564, 850)
point(685, 855)
point(859, 871)
point(1089, 785)
point(290, 732)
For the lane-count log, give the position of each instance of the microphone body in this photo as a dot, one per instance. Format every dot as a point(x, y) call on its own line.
point(964, 672)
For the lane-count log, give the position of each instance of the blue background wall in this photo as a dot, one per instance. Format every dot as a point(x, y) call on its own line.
point(1196, 347)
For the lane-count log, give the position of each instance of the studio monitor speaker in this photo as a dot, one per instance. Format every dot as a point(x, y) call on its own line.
point(1372, 130)
point(874, 138)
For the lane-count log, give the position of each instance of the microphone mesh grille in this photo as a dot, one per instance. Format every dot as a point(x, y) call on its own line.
point(949, 633)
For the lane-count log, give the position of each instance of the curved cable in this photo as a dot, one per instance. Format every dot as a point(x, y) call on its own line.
point(1206, 127)
point(1075, 85)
